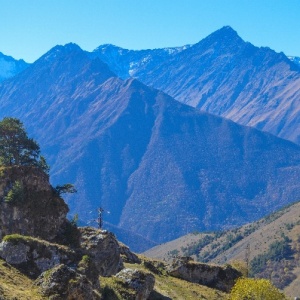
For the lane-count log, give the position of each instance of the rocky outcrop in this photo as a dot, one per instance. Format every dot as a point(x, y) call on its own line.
point(33, 256)
point(155, 266)
point(98, 254)
point(140, 282)
point(39, 212)
point(221, 278)
point(63, 282)
point(102, 248)
point(127, 255)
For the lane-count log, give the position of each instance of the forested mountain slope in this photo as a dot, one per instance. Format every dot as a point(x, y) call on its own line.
point(160, 167)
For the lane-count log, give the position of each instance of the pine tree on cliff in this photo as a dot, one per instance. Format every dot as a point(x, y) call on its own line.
point(16, 148)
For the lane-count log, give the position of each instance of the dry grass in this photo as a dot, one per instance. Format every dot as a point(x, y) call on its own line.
point(168, 287)
point(14, 285)
point(260, 236)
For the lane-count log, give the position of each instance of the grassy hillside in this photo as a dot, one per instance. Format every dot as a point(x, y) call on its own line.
point(166, 287)
point(270, 246)
point(14, 285)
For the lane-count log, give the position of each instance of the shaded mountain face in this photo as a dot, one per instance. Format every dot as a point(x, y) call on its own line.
point(9, 66)
point(160, 167)
point(226, 76)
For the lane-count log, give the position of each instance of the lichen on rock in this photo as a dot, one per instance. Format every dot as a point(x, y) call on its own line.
point(103, 249)
point(62, 282)
point(41, 213)
point(141, 282)
point(33, 256)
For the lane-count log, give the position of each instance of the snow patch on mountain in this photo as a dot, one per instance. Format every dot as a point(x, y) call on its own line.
point(126, 63)
point(9, 67)
point(295, 59)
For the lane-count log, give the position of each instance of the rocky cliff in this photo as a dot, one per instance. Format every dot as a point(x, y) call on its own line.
point(38, 240)
point(33, 224)
point(33, 208)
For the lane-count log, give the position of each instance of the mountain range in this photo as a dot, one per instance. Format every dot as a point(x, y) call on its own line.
point(160, 167)
point(222, 75)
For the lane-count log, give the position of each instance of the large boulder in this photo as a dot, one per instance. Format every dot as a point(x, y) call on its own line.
point(127, 255)
point(138, 281)
point(221, 278)
point(102, 248)
point(62, 282)
point(37, 211)
point(33, 256)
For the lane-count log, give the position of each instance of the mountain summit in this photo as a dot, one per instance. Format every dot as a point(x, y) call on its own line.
point(225, 76)
point(10, 67)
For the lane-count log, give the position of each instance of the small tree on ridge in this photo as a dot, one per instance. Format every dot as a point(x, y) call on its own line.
point(16, 148)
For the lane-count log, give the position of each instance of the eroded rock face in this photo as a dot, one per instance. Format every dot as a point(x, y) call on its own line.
point(142, 283)
point(102, 248)
point(32, 256)
point(40, 212)
point(221, 278)
point(127, 255)
point(63, 282)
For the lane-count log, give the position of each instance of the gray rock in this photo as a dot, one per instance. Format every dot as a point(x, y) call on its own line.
point(127, 255)
point(63, 282)
point(33, 256)
point(142, 283)
point(41, 213)
point(221, 278)
point(102, 248)
point(14, 254)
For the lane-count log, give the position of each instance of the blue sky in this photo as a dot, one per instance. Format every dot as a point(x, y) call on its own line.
point(29, 28)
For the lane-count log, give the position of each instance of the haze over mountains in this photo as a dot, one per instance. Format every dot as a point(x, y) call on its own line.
point(225, 76)
point(160, 167)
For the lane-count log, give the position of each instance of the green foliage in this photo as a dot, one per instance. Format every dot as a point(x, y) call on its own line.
point(276, 264)
point(16, 194)
point(63, 189)
point(74, 220)
point(43, 164)
point(84, 263)
point(277, 251)
point(85, 259)
point(174, 253)
point(255, 289)
point(113, 288)
point(16, 148)
point(16, 238)
point(195, 248)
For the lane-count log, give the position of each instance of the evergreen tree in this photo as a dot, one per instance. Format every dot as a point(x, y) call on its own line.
point(16, 148)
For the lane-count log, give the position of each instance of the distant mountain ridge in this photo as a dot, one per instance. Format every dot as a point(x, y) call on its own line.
point(222, 75)
point(128, 63)
point(160, 167)
point(10, 67)
point(226, 76)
